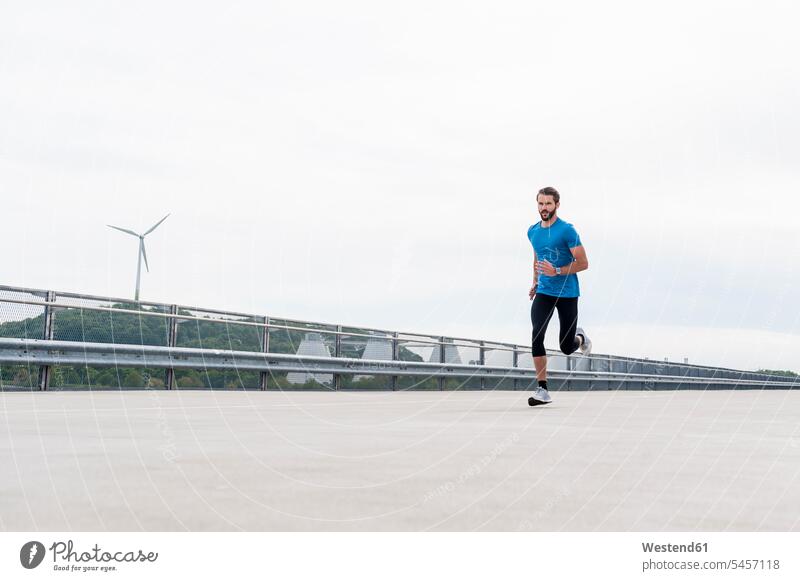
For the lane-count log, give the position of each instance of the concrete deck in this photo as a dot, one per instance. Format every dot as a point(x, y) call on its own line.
point(198, 461)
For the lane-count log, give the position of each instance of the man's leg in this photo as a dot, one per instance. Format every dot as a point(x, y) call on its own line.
point(541, 312)
point(540, 363)
point(567, 325)
point(570, 336)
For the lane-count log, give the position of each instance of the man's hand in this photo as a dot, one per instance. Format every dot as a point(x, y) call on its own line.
point(532, 292)
point(544, 267)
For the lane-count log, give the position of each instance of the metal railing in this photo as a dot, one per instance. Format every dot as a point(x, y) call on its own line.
point(59, 340)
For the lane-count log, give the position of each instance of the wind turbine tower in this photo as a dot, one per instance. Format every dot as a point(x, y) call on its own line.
point(142, 253)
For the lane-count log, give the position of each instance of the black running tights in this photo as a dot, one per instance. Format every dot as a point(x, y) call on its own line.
point(541, 312)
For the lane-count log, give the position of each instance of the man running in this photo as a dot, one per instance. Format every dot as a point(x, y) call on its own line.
point(557, 256)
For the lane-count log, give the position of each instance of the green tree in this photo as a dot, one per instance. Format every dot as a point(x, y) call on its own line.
point(785, 373)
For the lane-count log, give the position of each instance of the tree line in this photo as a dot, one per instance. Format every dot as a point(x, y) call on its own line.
point(76, 324)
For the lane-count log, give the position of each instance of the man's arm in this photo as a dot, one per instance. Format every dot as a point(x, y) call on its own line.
point(580, 263)
point(532, 291)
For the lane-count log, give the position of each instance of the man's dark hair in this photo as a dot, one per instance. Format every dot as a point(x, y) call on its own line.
point(548, 191)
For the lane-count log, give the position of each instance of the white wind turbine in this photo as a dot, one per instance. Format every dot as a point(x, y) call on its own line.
point(142, 253)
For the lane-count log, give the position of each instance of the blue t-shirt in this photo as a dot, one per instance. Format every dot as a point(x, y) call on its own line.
point(553, 244)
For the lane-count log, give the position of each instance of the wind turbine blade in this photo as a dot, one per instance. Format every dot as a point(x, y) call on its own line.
point(157, 225)
point(144, 255)
point(132, 233)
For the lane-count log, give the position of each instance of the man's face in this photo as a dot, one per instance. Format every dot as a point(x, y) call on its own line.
point(547, 206)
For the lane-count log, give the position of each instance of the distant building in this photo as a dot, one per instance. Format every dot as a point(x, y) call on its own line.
point(312, 345)
point(376, 349)
point(450, 355)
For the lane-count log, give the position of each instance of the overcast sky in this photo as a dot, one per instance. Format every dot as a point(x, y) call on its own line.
point(376, 163)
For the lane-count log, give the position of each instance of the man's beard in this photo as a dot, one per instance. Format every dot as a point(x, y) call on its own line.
point(547, 215)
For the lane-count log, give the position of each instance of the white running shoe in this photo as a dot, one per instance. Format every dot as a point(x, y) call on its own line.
point(586, 344)
point(540, 396)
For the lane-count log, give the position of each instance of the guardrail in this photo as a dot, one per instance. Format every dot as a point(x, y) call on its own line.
point(69, 338)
